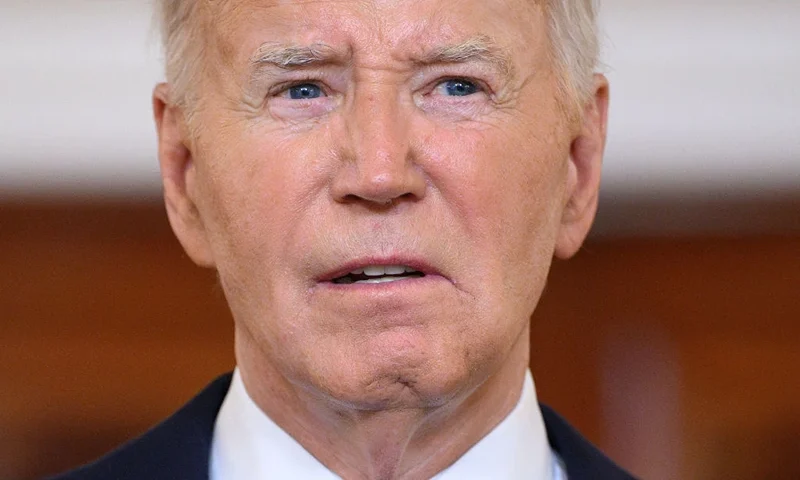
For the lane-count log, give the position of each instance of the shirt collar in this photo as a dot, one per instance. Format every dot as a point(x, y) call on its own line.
point(516, 448)
point(247, 444)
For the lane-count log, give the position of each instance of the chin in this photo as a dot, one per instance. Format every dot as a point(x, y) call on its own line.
point(395, 390)
point(396, 373)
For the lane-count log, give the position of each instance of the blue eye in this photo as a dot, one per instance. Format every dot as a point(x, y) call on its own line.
point(305, 91)
point(460, 88)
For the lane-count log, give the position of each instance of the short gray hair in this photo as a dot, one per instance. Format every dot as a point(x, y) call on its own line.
point(573, 36)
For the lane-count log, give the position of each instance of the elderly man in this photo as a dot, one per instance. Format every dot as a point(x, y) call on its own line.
point(381, 186)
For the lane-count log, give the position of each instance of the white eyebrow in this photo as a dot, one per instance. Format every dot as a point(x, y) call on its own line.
point(480, 48)
point(288, 56)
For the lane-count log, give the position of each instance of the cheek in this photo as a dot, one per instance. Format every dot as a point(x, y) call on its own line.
point(502, 188)
point(257, 189)
point(256, 194)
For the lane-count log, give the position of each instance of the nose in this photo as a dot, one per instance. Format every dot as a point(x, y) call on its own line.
point(378, 165)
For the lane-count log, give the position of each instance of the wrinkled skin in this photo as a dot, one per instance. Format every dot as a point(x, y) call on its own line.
point(384, 161)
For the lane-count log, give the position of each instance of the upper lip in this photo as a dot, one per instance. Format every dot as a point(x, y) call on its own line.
point(416, 263)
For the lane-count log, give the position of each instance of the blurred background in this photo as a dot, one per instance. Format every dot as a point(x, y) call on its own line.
point(672, 340)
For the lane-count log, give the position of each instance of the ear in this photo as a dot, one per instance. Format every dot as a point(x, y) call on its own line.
point(583, 180)
point(178, 178)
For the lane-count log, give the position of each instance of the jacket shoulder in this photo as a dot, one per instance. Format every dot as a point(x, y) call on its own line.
point(583, 461)
point(179, 447)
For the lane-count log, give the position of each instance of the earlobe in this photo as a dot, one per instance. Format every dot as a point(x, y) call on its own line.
point(583, 180)
point(178, 179)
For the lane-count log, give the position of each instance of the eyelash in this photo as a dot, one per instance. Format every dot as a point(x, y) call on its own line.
point(479, 85)
point(284, 87)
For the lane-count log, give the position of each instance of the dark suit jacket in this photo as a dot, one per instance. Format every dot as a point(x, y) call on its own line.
point(179, 448)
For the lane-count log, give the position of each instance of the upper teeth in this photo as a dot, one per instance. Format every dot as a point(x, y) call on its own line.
point(381, 270)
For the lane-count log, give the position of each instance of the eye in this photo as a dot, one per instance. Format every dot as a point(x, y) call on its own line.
point(457, 87)
point(304, 91)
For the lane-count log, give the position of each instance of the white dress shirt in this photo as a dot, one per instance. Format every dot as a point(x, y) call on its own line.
point(248, 445)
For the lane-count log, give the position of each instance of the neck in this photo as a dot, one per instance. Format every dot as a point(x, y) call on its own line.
point(398, 443)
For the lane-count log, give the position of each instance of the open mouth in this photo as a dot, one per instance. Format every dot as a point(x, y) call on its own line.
point(379, 274)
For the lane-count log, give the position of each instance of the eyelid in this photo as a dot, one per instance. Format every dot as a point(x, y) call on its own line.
point(481, 74)
point(283, 86)
point(482, 86)
point(287, 90)
point(282, 91)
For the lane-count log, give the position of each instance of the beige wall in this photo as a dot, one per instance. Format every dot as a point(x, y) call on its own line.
point(704, 96)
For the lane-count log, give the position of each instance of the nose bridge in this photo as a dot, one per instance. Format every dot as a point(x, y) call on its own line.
point(378, 129)
point(380, 167)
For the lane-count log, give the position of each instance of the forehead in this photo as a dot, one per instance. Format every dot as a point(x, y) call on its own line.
point(400, 28)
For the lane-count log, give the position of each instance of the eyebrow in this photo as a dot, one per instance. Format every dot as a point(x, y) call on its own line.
point(475, 49)
point(290, 56)
point(480, 48)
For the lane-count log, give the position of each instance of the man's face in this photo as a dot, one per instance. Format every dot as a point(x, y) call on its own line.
point(419, 144)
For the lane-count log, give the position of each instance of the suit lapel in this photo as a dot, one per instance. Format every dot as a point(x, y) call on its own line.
point(582, 459)
point(178, 448)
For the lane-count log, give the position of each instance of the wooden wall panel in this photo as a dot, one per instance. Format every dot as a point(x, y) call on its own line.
point(703, 333)
point(105, 328)
point(679, 356)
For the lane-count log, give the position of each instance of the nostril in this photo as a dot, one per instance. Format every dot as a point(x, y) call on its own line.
point(378, 202)
point(353, 198)
point(383, 190)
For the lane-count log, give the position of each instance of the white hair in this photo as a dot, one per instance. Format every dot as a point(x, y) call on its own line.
point(179, 22)
point(575, 45)
point(572, 32)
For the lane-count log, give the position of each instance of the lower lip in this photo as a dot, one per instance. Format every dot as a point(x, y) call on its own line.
point(406, 283)
point(403, 303)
